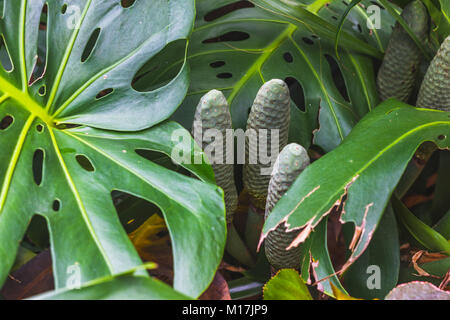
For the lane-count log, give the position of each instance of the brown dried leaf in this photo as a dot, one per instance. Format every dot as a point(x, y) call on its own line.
point(31, 279)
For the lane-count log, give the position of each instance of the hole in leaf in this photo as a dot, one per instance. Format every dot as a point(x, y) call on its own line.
point(217, 64)
point(137, 79)
point(316, 152)
point(5, 58)
point(38, 166)
point(160, 69)
point(64, 8)
point(39, 128)
point(296, 91)
point(334, 17)
point(6, 122)
point(314, 36)
point(228, 37)
point(441, 137)
point(150, 154)
point(56, 205)
point(358, 28)
point(37, 233)
point(90, 45)
point(133, 211)
point(85, 163)
point(225, 75)
point(161, 159)
point(104, 93)
point(65, 126)
point(338, 78)
point(288, 57)
point(127, 3)
point(222, 11)
point(308, 41)
point(41, 59)
point(42, 90)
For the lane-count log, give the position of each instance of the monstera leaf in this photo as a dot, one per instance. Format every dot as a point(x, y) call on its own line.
point(55, 164)
point(236, 46)
point(124, 286)
point(357, 179)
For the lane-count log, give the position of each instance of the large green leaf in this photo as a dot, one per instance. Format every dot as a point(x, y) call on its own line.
point(361, 174)
point(67, 174)
point(279, 40)
point(120, 288)
point(376, 272)
point(124, 286)
point(286, 285)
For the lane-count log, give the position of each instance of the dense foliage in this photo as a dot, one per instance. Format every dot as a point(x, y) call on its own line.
point(92, 94)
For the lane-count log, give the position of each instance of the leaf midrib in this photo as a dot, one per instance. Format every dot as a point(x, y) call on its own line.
point(14, 160)
point(374, 30)
point(362, 80)
point(257, 65)
point(24, 100)
point(79, 201)
point(67, 54)
point(368, 164)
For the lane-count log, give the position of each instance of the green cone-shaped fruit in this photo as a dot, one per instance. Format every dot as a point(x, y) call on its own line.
point(213, 113)
point(434, 92)
point(270, 111)
point(401, 61)
point(290, 163)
